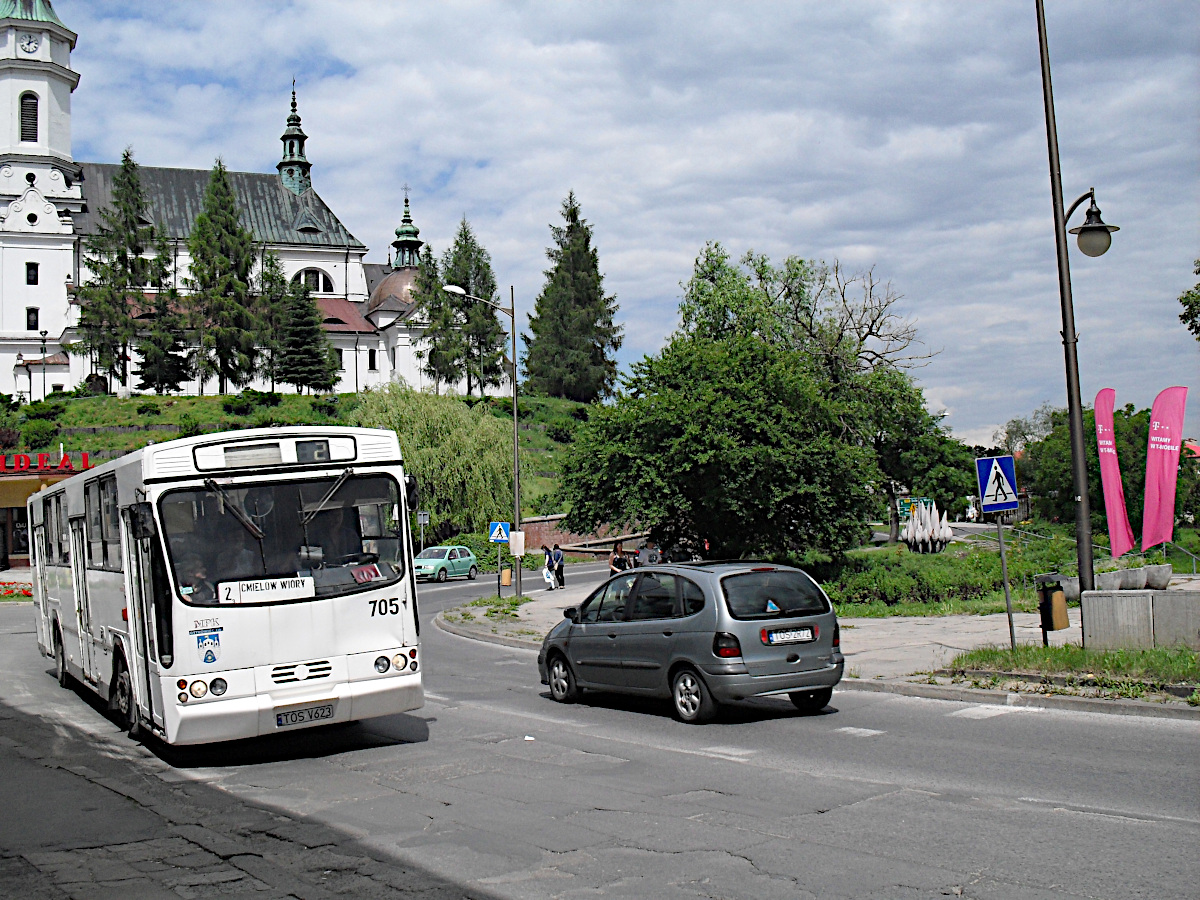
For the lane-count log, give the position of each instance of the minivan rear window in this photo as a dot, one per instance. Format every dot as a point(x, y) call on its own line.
point(773, 595)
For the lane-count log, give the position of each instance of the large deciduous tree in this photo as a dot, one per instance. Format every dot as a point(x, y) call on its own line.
point(118, 272)
point(461, 456)
point(574, 337)
point(1190, 301)
point(222, 258)
point(469, 266)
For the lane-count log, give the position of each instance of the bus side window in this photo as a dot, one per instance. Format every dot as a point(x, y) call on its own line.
point(95, 555)
point(64, 532)
point(160, 587)
point(110, 523)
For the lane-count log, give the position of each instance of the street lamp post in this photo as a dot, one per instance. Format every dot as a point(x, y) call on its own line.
point(43, 333)
point(16, 383)
point(1094, 239)
point(511, 312)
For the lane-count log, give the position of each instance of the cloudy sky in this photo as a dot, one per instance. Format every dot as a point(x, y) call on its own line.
point(907, 137)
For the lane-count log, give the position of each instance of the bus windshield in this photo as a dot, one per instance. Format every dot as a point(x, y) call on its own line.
point(284, 541)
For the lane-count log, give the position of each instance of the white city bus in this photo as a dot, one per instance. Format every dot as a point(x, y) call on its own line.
point(235, 584)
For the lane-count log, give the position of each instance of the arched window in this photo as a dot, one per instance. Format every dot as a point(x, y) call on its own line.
point(29, 118)
point(315, 280)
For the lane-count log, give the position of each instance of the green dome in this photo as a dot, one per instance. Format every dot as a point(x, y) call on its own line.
point(32, 10)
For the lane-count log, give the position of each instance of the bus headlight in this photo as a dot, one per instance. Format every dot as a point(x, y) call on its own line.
point(400, 662)
point(218, 686)
point(382, 664)
point(199, 689)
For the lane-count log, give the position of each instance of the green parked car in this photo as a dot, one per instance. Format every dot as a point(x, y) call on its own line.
point(440, 563)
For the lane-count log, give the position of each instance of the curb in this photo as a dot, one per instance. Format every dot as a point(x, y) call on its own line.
point(486, 637)
point(1005, 698)
point(924, 691)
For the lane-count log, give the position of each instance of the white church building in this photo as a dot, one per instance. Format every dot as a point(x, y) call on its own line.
point(50, 204)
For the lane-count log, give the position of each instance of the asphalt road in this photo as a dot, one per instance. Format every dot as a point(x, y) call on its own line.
point(495, 790)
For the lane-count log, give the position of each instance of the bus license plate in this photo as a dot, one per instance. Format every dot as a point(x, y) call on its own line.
point(303, 715)
point(791, 636)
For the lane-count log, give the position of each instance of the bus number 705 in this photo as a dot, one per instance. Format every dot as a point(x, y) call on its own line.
point(386, 607)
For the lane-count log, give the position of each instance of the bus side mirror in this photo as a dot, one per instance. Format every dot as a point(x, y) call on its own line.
point(411, 493)
point(141, 521)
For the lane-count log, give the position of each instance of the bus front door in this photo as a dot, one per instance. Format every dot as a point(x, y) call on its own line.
point(138, 589)
point(83, 613)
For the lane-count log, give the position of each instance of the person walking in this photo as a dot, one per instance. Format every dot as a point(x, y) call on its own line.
point(616, 560)
point(559, 559)
point(548, 568)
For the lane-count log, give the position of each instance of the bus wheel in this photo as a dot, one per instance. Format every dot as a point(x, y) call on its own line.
point(60, 661)
point(121, 702)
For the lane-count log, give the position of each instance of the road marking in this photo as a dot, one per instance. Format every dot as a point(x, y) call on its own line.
point(861, 732)
point(1059, 806)
point(981, 712)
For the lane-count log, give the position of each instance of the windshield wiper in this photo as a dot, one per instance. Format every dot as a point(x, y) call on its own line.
point(312, 514)
point(236, 510)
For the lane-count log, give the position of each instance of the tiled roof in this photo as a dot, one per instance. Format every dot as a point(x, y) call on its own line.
point(176, 196)
point(54, 359)
point(341, 315)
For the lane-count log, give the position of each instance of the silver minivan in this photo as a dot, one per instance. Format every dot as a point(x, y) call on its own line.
point(700, 634)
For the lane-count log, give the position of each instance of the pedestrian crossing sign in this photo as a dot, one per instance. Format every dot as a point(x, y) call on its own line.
point(498, 532)
point(997, 480)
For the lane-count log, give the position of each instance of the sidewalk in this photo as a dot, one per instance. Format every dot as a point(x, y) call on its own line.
point(893, 655)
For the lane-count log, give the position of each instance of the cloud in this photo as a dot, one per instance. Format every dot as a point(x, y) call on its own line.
point(904, 136)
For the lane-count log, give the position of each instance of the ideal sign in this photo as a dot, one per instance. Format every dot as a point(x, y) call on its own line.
point(41, 463)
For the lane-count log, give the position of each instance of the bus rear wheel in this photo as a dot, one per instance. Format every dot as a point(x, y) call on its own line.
point(121, 700)
point(60, 661)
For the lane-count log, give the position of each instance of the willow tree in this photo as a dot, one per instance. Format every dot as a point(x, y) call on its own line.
point(461, 456)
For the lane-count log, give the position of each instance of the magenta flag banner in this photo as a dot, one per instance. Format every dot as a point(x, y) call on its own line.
point(1162, 466)
point(1120, 535)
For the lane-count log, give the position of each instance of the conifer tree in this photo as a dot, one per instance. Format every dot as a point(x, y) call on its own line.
point(111, 296)
point(222, 254)
point(574, 337)
point(165, 361)
point(468, 265)
point(270, 308)
point(444, 347)
point(306, 358)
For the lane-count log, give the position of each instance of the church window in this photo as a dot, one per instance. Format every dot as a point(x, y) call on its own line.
point(371, 360)
point(31, 218)
point(31, 273)
point(31, 319)
point(29, 118)
point(341, 360)
point(315, 280)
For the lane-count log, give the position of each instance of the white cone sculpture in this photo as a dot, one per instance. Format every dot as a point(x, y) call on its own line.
point(926, 531)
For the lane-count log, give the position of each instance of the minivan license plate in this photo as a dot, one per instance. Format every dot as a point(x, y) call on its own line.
point(303, 715)
point(791, 636)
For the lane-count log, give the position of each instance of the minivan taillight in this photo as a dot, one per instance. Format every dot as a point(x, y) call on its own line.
point(837, 634)
point(726, 646)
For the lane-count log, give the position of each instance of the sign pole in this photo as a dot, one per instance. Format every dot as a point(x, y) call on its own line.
point(1012, 633)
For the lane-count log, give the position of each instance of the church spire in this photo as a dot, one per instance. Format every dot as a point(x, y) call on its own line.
point(407, 242)
point(294, 167)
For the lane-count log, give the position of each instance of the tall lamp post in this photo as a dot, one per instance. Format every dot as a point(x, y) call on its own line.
point(1094, 239)
point(43, 333)
point(20, 364)
point(511, 312)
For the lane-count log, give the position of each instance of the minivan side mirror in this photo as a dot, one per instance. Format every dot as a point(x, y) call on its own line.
point(572, 613)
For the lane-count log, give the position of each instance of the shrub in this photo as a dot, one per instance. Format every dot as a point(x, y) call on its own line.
point(93, 386)
point(238, 406)
point(580, 413)
point(326, 406)
point(149, 408)
point(7, 403)
point(9, 438)
point(562, 434)
point(266, 419)
point(262, 398)
point(188, 426)
point(43, 410)
point(38, 433)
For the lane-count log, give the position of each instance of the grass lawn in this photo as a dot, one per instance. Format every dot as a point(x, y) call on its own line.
point(1162, 666)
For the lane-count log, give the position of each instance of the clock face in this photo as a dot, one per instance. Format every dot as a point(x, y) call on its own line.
point(29, 42)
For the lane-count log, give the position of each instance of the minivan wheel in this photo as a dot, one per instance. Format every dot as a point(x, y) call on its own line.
point(811, 701)
point(473, 574)
point(441, 575)
point(693, 703)
point(562, 681)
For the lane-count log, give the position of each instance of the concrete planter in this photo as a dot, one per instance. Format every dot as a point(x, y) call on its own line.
point(1158, 577)
point(1109, 581)
point(1133, 579)
point(1070, 588)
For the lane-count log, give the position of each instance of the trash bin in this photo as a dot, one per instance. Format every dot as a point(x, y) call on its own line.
point(1052, 603)
point(506, 576)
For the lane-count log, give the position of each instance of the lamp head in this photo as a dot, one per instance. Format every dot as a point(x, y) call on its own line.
point(1094, 236)
point(20, 358)
point(454, 289)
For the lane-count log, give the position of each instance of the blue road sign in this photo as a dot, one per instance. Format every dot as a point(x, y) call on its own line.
point(997, 480)
point(498, 532)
